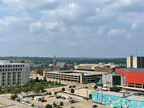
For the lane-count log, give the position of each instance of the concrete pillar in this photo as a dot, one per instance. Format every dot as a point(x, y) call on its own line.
point(81, 78)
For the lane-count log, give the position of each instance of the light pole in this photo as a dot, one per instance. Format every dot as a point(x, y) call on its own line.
point(78, 91)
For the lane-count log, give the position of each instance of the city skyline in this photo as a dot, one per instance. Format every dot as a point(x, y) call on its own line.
point(74, 28)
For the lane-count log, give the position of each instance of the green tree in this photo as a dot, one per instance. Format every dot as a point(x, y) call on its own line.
point(39, 87)
point(115, 89)
point(61, 103)
point(72, 91)
point(95, 87)
point(54, 104)
point(74, 86)
point(40, 71)
point(37, 79)
point(50, 93)
point(13, 96)
point(90, 96)
point(55, 93)
point(63, 89)
point(26, 90)
point(48, 106)
point(18, 100)
point(45, 79)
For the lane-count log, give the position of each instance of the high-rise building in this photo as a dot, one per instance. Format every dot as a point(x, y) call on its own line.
point(14, 73)
point(135, 62)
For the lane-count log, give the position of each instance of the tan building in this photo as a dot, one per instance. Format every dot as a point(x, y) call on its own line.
point(89, 67)
point(104, 69)
point(72, 76)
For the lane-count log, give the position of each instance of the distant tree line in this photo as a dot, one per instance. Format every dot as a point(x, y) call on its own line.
point(69, 60)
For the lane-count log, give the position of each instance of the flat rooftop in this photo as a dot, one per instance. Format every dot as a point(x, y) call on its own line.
point(77, 72)
point(133, 69)
point(127, 96)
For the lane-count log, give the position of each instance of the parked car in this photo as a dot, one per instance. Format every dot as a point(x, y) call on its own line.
point(86, 98)
point(94, 106)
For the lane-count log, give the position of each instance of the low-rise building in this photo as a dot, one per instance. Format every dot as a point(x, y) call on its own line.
point(113, 79)
point(118, 100)
point(72, 75)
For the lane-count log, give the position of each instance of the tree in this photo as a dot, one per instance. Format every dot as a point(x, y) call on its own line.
point(49, 93)
point(39, 87)
point(63, 89)
point(72, 91)
point(26, 90)
point(69, 86)
point(74, 86)
point(61, 103)
point(55, 93)
point(115, 89)
point(13, 96)
point(16, 91)
point(95, 87)
point(40, 71)
point(90, 96)
point(45, 79)
point(37, 79)
point(48, 106)
point(18, 100)
point(54, 104)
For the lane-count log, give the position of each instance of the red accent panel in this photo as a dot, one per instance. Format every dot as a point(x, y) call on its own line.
point(132, 77)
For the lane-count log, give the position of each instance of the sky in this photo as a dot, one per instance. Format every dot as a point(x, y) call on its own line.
point(72, 28)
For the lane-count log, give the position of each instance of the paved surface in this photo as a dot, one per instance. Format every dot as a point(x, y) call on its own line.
point(79, 90)
point(8, 103)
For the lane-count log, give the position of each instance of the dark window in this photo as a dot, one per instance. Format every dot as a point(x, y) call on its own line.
point(116, 80)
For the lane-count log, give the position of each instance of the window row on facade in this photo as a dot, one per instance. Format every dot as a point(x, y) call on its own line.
point(11, 66)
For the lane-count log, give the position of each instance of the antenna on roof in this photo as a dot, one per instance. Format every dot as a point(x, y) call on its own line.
point(136, 52)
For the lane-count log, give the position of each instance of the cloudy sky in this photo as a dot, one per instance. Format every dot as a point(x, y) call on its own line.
point(71, 28)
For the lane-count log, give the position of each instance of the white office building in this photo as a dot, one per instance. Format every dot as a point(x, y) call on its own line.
point(135, 62)
point(14, 73)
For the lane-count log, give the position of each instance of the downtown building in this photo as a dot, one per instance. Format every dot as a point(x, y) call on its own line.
point(135, 62)
point(14, 73)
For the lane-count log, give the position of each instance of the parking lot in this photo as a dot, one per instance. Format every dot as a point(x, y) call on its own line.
point(78, 95)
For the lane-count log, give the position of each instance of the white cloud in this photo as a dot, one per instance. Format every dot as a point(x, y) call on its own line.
point(116, 32)
point(101, 22)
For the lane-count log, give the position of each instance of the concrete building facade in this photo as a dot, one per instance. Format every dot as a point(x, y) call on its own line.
point(135, 62)
point(72, 76)
point(112, 79)
point(14, 73)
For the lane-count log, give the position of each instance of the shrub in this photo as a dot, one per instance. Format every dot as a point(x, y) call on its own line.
point(72, 101)
point(13, 96)
point(63, 89)
point(18, 100)
point(72, 91)
point(95, 87)
point(48, 106)
point(61, 103)
point(90, 96)
point(49, 93)
point(115, 89)
point(54, 104)
point(32, 105)
point(74, 86)
point(55, 93)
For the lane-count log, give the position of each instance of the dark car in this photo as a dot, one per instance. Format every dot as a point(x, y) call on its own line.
point(94, 106)
point(86, 98)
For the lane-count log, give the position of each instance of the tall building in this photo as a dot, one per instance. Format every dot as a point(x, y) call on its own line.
point(135, 62)
point(14, 73)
